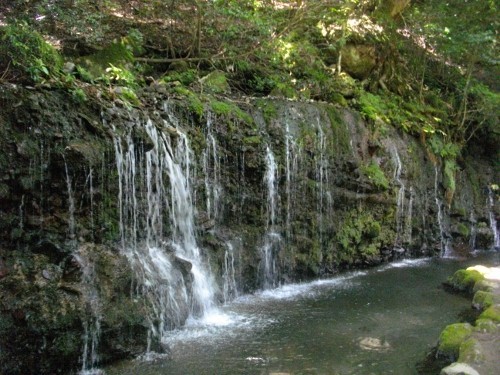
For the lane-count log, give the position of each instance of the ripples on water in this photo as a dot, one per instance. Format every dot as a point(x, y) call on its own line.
point(381, 321)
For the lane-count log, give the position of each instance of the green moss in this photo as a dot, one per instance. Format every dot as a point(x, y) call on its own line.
point(484, 285)
point(470, 351)
point(459, 211)
point(117, 54)
point(4, 191)
point(230, 110)
point(463, 230)
point(482, 300)
point(311, 259)
point(269, 110)
point(67, 343)
point(340, 132)
point(338, 99)
point(376, 175)
point(464, 280)
point(185, 77)
point(215, 83)
point(492, 313)
point(360, 237)
point(486, 325)
point(452, 337)
point(27, 52)
point(221, 108)
point(253, 140)
point(194, 102)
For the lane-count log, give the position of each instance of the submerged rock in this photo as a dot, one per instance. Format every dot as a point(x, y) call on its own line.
point(459, 369)
point(373, 343)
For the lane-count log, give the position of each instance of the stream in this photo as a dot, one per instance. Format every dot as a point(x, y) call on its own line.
point(379, 321)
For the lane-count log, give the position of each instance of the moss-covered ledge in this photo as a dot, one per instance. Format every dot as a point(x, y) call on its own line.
point(474, 349)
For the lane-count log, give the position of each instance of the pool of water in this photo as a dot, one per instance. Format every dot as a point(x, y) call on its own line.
point(381, 321)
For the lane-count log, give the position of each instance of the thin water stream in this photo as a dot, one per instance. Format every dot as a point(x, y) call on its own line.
point(381, 321)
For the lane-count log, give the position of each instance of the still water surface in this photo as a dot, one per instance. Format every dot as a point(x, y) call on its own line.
point(381, 321)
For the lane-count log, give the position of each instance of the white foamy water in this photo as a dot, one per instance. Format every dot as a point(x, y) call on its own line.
point(405, 263)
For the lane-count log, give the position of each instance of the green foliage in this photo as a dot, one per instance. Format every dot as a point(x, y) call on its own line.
point(450, 168)
point(372, 106)
point(28, 52)
point(376, 175)
point(120, 76)
point(360, 237)
point(186, 77)
point(442, 148)
point(78, 95)
point(128, 96)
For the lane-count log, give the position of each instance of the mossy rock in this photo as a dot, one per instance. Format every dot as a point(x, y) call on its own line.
point(484, 285)
point(117, 54)
point(451, 338)
point(486, 325)
point(464, 280)
point(253, 140)
point(376, 175)
point(482, 300)
point(492, 313)
point(471, 351)
point(215, 83)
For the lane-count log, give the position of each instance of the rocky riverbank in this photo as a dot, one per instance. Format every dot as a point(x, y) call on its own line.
point(474, 349)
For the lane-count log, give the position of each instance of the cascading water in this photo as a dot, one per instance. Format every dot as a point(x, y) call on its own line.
point(92, 321)
point(157, 228)
point(92, 314)
point(211, 170)
point(325, 200)
point(272, 239)
point(409, 217)
point(493, 220)
point(445, 241)
point(71, 207)
point(230, 287)
point(400, 207)
point(473, 230)
point(292, 157)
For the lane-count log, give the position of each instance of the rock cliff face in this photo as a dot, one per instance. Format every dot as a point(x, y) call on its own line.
point(118, 223)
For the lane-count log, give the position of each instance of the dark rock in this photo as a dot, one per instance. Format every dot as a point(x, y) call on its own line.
point(4, 271)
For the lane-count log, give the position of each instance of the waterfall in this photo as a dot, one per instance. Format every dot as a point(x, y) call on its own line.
point(493, 220)
point(473, 230)
point(93, 317)
point(445, 242)
point(71, 207)
point(230, 289)
point(157, 227)
point(407, 234)
point(292, 155)
point(325, 201)
point(272, 239)
point(211, 170)
point(400, 205)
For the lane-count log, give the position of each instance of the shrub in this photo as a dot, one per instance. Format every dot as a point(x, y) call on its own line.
point(29, 55)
